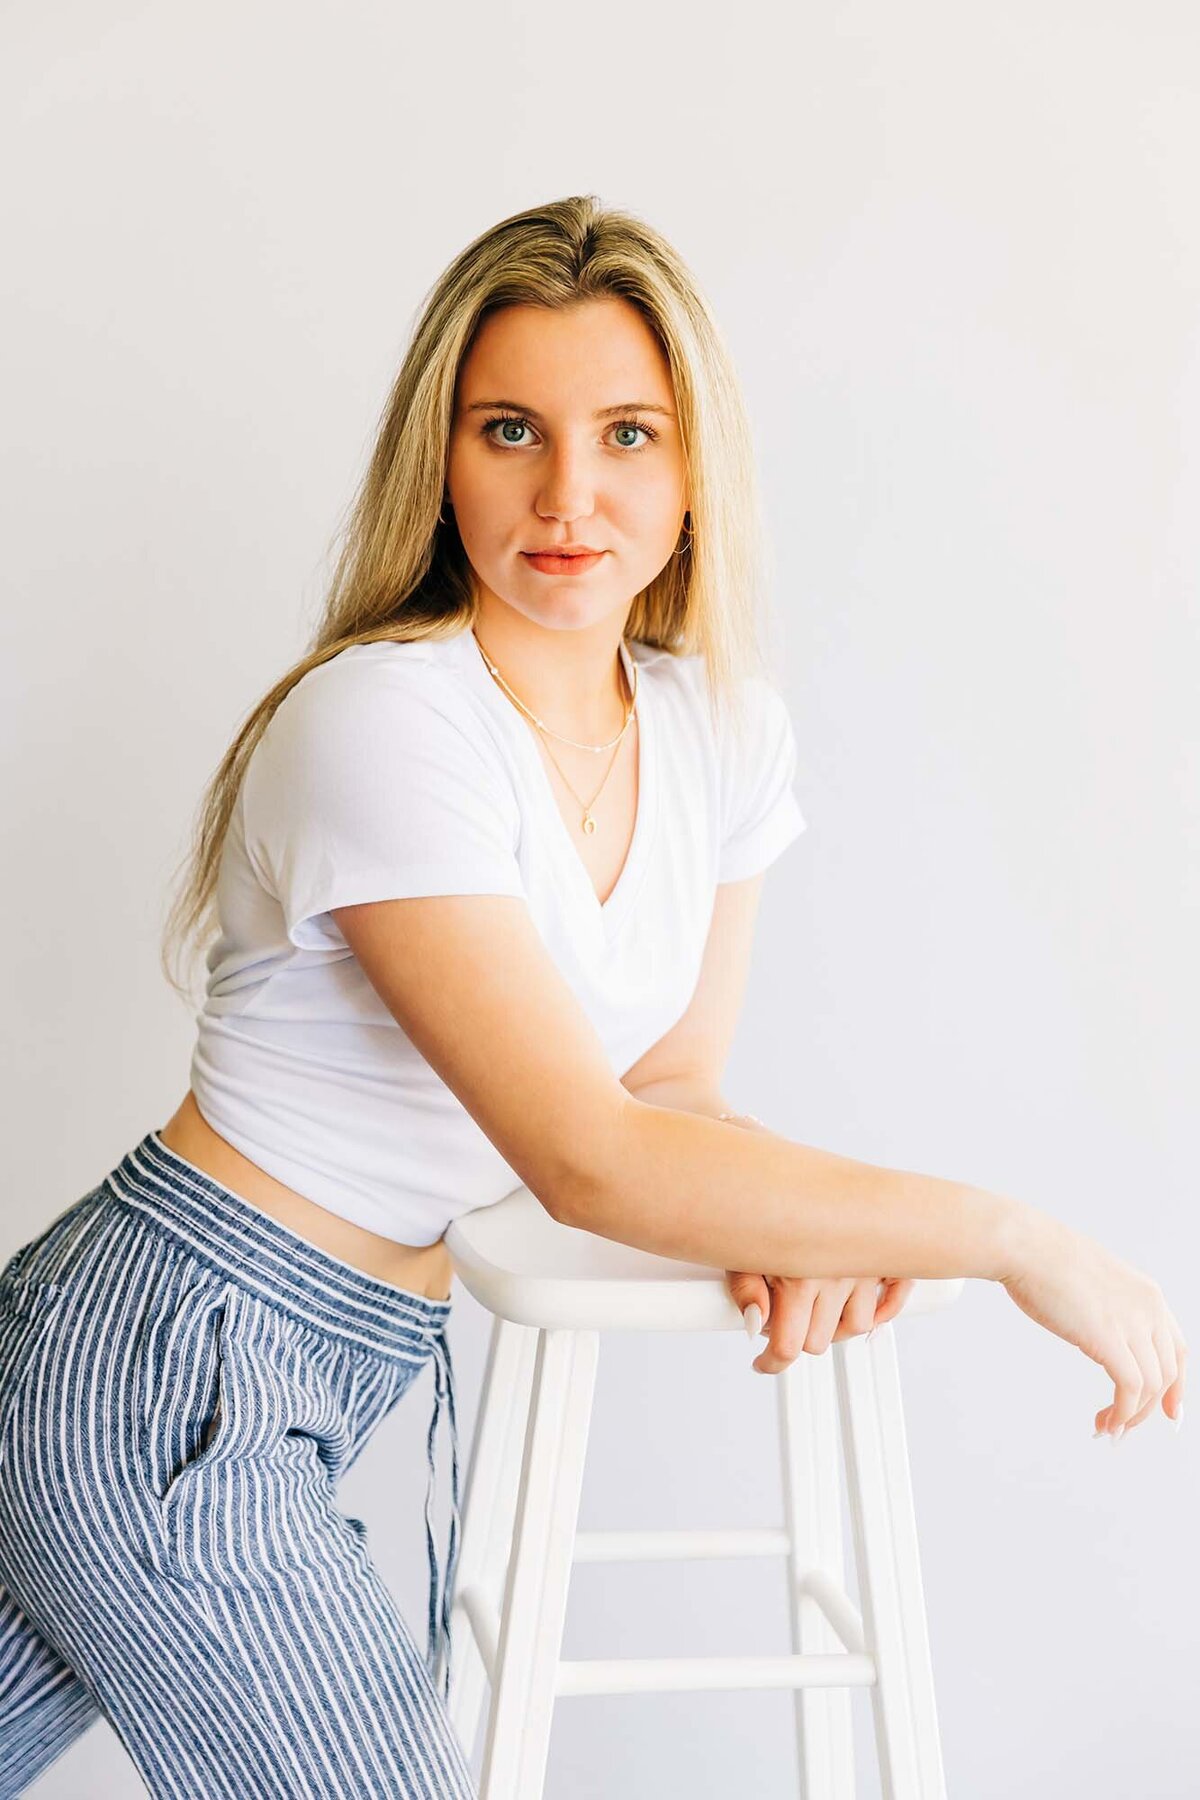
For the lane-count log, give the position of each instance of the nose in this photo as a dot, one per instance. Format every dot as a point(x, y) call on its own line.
point(567, 490)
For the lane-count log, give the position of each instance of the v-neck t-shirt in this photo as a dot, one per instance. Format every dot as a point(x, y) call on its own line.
point(401, 769)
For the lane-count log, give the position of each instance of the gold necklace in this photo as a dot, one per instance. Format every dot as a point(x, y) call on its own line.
point(587, 822)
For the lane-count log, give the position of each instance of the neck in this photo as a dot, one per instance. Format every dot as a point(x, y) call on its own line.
point(571, 680)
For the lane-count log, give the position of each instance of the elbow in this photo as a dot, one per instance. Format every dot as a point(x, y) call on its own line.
point(593, 1171)
point(575, 1199)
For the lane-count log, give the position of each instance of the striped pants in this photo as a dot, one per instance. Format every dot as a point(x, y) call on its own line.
point(183, 1380)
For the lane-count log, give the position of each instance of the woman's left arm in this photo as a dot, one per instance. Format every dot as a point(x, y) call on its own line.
point(794, 1314)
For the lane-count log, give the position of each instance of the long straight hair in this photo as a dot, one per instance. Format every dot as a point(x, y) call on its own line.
point(402, 573)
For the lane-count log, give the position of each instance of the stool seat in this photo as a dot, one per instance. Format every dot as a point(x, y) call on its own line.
point(553, 1290)
point(523, 1265)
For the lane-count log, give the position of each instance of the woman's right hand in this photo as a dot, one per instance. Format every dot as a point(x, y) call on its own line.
point(1114, 1313)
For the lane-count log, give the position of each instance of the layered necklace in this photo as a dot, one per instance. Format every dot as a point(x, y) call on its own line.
point(587, 821)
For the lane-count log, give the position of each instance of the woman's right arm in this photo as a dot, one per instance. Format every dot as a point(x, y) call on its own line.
point(683, 1185)
point(469, 979)
point(754, 1200)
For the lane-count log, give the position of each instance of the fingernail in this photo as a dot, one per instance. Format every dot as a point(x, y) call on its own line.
point(753, 1317)
point(1177, 1421)
point(1118, 1434)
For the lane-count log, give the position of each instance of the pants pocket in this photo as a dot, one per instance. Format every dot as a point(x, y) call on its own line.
point(182, 1396)
point(252, 1499)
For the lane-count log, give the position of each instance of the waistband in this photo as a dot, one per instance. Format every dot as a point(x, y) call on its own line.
point(316, 1288)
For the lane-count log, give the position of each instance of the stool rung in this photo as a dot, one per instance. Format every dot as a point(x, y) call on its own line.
point(667, 1546)
point(843, 1618)
point(683, 1674)
point(839, 1611)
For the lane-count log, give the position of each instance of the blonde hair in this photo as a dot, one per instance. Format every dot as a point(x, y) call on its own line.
point(402, 572)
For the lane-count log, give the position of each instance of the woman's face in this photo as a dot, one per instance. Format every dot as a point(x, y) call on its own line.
point(575, 463)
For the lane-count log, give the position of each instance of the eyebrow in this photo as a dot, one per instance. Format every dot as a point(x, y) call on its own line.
point(603, 412)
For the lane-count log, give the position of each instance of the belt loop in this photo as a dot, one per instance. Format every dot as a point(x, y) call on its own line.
point(443, 1366)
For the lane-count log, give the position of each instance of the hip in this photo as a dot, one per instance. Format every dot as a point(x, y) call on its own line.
point(424, 1269)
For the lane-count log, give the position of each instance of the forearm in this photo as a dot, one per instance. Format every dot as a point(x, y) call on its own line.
point(685, 1185)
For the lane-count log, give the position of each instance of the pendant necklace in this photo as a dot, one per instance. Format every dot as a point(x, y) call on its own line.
point(587, 822)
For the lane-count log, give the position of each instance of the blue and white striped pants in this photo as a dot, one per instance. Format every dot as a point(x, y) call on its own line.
point(183, 1380)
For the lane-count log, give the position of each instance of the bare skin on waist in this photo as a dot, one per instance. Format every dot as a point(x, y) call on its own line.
point(418, 1268)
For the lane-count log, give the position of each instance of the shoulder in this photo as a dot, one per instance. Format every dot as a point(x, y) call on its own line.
point(399, 689)
point(401, 669)
point(677, 680)
point(375, 713)
point(752, 711)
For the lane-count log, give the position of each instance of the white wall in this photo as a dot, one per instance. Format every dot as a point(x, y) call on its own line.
point(956, 253)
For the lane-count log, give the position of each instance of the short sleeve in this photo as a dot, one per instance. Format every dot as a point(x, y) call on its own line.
point(372, 782)
point(760, 815)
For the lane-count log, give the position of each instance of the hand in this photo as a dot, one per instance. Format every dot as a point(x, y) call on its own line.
point(1114, 1313)
point(804, 1313)
point(809, 1314)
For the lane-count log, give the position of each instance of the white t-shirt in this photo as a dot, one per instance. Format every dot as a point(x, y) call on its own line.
point(401, 769)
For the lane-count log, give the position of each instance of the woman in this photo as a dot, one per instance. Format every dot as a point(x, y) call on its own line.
point(480, 876)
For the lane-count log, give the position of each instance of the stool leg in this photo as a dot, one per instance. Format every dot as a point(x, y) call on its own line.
point(812, 1460)
point(539, 1568)
point(889, 1574)
point(489, 1505)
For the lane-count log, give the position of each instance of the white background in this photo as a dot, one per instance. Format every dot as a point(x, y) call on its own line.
point(955, 251)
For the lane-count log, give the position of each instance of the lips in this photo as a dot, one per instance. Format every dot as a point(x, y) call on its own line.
point(560, 562)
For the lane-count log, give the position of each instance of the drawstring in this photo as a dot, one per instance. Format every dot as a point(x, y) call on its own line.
point(443, 1368)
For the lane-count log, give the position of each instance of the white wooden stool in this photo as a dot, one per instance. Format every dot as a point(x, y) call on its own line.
point(552, 1290)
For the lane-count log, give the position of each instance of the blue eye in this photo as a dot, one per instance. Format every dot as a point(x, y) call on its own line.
point(507, 418)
